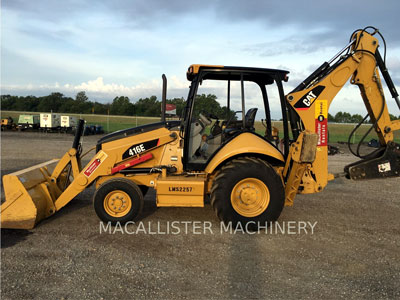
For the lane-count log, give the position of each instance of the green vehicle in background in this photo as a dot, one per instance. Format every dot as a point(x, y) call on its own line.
point(31, 122)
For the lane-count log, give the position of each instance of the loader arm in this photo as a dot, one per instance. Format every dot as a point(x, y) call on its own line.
point(30, 194)
point(100, 165)
point(38, 192)
point(309, 104)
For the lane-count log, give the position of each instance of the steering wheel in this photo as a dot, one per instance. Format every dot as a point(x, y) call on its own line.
point(231, 118)
point(206, 121)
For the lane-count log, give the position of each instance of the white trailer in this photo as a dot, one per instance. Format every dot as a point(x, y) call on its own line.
point(68, 122)
point(49, 121)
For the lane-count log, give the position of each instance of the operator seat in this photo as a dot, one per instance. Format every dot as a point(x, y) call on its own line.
point(250, 118)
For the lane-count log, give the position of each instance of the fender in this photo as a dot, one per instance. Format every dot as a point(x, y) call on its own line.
point(244, 143)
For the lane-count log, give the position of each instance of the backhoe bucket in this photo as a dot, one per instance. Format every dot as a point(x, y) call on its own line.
point(29, 197)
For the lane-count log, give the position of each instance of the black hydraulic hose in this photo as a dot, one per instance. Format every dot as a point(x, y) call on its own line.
point(78, 134)
point(77, 146)
point(352, 133)
point(382, 67)
point(310, 78)
point(357, 153)
point(381, 63)
point(67, 181)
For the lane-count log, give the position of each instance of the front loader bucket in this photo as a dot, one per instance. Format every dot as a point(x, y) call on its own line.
point(28, 198)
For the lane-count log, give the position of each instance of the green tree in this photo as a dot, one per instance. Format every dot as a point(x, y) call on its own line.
point(228, 115)
point(343, 117)
point(52, 103)
point(68, 106)
point(356, 118)
point(339, 117)
point(8, 102)
point(100, 108)
point(82, 104)
point(347, 117)
point(122, 106)
point(81, 97)
point(179, 103)
point(207, 104)
point(28, 103)
point(150, 107)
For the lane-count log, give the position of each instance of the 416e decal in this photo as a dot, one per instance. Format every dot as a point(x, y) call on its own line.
point(139, 148)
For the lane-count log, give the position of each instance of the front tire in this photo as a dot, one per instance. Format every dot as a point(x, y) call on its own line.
point(118, 200)
point(247, 189)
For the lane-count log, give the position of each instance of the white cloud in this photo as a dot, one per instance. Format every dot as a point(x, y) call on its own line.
point(109, 48)
point(98, 89)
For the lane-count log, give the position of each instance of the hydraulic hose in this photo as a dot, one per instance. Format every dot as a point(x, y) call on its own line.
point(78, 134)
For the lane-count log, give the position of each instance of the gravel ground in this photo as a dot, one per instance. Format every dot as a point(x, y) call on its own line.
point(352, 252)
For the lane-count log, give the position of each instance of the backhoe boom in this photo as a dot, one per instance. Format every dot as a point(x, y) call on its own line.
point(310, 102)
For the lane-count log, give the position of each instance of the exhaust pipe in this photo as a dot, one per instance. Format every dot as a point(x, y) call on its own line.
point(164, 97)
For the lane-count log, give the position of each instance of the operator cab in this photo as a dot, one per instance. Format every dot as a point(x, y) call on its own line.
point(224, 102)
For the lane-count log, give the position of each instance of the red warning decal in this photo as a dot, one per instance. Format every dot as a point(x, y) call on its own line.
point(93, 166)
point(321, 121)
point(321, 127)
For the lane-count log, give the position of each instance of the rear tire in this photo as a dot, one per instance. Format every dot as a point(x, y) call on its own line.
point(118, 200)
point(247, 190)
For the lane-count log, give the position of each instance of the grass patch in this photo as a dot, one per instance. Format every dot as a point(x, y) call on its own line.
point(336, 132)
point(109, 123)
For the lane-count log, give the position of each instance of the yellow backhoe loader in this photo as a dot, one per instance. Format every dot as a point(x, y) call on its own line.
point(8, 124)
point(246, 175)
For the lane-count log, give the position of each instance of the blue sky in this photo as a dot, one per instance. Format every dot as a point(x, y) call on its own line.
point(112, 48)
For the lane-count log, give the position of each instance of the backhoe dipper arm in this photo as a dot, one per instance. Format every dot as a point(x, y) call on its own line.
point(310, 103)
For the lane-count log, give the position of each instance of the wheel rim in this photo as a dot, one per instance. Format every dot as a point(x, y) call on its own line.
point(250, 197)
point(117, 203)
